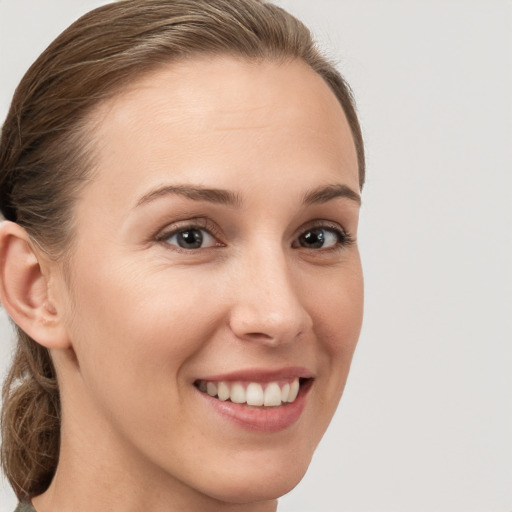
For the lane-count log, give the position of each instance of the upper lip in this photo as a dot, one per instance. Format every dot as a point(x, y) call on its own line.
point(262, 375)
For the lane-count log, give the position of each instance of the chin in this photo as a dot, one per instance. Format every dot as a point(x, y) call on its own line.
point(265, 478)
point(256, 490)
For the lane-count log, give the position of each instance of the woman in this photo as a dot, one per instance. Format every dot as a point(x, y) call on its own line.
point(180, 182)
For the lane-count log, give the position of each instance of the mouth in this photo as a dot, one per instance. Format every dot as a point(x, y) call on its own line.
point(258, 400)
point(277, 393)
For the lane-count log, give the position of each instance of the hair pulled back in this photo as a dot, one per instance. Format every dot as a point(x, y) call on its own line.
point(45, 157)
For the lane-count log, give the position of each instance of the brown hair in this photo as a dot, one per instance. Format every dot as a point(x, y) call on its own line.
point(45, 158)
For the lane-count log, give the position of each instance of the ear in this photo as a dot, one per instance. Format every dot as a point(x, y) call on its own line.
point(24, 290)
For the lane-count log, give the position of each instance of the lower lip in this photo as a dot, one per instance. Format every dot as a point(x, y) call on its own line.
point(261, 419)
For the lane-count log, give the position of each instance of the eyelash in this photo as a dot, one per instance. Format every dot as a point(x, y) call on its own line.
point(344, 238)
point(199, 224)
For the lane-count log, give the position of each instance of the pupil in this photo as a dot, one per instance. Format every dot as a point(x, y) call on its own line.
point(314, 238)
point(192, 239)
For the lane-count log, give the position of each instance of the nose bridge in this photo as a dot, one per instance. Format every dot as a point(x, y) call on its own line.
point(267, 305)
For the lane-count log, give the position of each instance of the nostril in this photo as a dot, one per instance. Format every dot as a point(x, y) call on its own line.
point(258, 335)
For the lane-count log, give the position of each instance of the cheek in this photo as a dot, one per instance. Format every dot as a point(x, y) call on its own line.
point(338, 314)
point(339, 310)
point(133, 328)
point(133, 335)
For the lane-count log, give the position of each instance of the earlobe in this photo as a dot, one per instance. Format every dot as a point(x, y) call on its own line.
point(24, 291)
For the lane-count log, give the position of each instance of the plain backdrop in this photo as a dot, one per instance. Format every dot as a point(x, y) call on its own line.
point(425, 424)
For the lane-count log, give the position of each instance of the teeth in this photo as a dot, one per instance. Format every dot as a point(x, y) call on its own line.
point(285, 392)
point(294, 390)
point(272, 395)
point(238, 394)
point(223, 391)
point(252, 394)
point(255, 394)
point(211, 388)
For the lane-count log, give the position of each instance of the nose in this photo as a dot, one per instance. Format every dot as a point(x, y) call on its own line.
point(267, 306)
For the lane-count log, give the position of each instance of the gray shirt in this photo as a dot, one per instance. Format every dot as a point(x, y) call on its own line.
point(25, 507)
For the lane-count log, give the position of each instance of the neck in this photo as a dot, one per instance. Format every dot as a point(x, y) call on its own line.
point(87, 480)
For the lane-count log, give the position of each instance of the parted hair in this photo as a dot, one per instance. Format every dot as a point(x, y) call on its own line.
point(46, 156)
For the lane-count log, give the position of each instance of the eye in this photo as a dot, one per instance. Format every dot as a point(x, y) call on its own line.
point(191, 238)
point(322, 238)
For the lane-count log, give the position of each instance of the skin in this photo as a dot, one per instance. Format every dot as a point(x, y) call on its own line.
point(141, 318)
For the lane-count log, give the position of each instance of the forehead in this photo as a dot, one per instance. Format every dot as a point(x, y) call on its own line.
point(212, 119)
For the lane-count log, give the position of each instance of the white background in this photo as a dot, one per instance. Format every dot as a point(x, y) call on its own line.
point(426, 421)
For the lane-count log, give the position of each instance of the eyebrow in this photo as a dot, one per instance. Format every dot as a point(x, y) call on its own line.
point(327, 193)
point(194, 192)
point(226, 197)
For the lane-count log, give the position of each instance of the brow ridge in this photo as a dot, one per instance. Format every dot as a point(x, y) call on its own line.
point(324, 194)
point(319, 195)
point(194, 192)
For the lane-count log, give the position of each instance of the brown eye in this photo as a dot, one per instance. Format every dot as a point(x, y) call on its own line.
point(320, 238)
point(191, 238)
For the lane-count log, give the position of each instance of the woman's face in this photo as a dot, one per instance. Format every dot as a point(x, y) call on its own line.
point(215, 254)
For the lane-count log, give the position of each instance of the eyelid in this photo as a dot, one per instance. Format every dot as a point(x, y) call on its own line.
point(328, 225)
point(321, 223)
point(212, 228)
point(197, 223)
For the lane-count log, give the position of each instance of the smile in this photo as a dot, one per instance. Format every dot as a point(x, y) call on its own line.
point(267, 394)
point(258, 400)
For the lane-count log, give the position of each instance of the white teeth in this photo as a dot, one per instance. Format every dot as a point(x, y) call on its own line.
point(255, 394)
point(223, 391)
point(238, 394)
point(285, 392)
point(211, 388)
point(294, 390)
point(252, 393)
point(272, 395)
